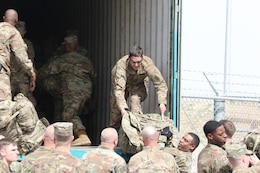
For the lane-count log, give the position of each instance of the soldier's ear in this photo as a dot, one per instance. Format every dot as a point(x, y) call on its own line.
point(210, 136)
point(2, 153)
point(192, 148)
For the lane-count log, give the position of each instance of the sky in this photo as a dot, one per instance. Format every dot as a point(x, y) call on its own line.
point(232, 70)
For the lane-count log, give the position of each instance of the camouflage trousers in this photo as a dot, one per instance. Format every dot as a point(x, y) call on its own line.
point(72, 106)
point(20, 83)
point(136, 95)
point(5, 87)
point(19, 121)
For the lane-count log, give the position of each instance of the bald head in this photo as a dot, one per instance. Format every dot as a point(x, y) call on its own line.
point(150, 136)
point(11, 16)
point(109, 135)
point(49, 132)
point(48, 137)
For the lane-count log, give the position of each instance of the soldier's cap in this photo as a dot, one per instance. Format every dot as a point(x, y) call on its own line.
point(63, 129)
point(70, 39)
point(20, 24)
point(72, 32)
point(237, 150)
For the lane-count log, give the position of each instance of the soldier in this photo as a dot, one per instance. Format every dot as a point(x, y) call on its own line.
point(151, 159)
point(11, 40)
point(68, 79)
point(61, 49)
point(183, 152)
point(60, 159)
point(48, 145)
point(213, 158)
point(241, 158)
point(19, 119)
point(103, 158)
point(20, 80)
point(8, 154)
point(130, 77)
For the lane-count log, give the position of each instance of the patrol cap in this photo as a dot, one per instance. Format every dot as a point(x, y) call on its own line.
point(237, 150)
point(70, 39)
point(63, 129)
point(72, 32)
point(20, 24)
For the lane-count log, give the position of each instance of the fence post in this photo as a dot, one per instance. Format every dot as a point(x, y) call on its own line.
point(219, 109)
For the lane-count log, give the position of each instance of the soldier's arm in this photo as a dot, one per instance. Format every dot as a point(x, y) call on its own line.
point(18, 47)
point(119, 86)
point(159, 83)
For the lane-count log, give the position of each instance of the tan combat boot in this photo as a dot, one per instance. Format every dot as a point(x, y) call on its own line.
point(82, 140)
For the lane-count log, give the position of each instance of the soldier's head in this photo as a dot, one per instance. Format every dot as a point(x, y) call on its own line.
point(189, 142)
point(150, 136)
point(215, 133)
point(238, 155)
point(135, 57)
point(63, 133)
point(48, 137)
point(21, 27)
point(70, 43)
point(8, 150)
point(109, 137)
point(11, 16)
point(230, 129)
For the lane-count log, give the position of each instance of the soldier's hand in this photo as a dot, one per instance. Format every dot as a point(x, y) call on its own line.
point(162, 108)
point(123, 112)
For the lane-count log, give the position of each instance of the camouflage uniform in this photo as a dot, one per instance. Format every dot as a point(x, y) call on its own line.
point(183, 159)
point(3, 167)
point(15, 167)
point(20, 81)
point(68, 79)
point(126, 82)
point(58, 161)
point(104, 159)
point(19, 121)
point(213, 159)
point(151, 159)
point(28, 161)
point(11, 40)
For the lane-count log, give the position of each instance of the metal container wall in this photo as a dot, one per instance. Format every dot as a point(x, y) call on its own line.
point(107, 29)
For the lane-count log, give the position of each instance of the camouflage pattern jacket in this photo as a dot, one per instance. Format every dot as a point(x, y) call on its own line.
point(16, 70)
point(58, 161)
point(10, 40)
point(28, 161)
point(104, 159)
point(123, 77)
point(213, 159)
point(183, 159)
point(3, 167)
point(71, 68)
point(151, 159)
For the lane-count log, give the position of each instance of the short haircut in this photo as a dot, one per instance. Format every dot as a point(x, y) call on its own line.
point(229, 127)
point(6, 141)
point(195, 139)
point(210, 127)
point(136, 51)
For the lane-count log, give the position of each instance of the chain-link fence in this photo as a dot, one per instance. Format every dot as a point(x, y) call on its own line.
point(201, 101)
